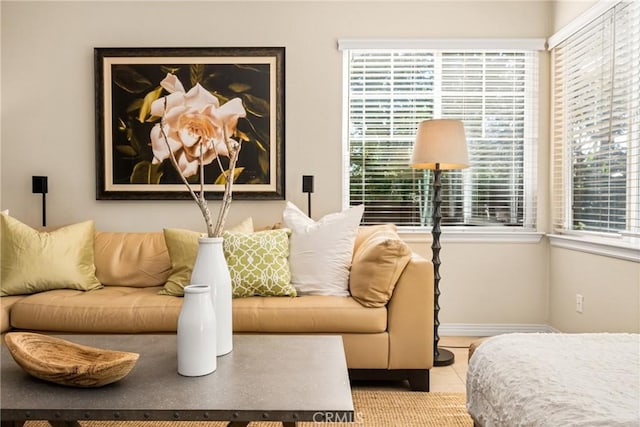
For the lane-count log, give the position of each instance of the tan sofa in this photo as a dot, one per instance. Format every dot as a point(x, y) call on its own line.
point(392, 341)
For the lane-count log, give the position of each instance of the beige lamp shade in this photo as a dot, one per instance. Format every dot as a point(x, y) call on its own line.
point(440, 142)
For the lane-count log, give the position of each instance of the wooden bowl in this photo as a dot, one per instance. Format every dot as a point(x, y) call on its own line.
point(63, 362)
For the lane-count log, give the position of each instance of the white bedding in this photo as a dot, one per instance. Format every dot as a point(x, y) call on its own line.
point(556, 380)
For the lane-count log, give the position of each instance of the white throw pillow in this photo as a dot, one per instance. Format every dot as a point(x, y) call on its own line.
point(320, 252)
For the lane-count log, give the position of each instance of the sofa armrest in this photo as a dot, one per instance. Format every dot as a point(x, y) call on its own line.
point(5, 311)
point(410, 317)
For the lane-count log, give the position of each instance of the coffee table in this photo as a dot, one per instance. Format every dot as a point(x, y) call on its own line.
point(286, 378)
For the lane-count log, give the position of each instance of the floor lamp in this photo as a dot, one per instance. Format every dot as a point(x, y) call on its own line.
point(440, 145)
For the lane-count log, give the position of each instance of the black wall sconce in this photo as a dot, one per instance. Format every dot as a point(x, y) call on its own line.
point(307, 187)
point(39, 185)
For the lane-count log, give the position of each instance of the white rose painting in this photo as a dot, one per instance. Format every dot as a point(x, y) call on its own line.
point(189, 106)
point(196, 128)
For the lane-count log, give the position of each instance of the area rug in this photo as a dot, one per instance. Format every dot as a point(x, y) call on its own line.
point(372, 408)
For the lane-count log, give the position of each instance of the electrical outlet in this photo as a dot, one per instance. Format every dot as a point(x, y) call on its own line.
point(579, 303)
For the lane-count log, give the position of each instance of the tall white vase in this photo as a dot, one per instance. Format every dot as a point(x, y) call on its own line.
point(211, 268)
point(197, 333)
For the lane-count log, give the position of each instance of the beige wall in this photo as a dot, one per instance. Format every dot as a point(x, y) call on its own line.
point(564, 11)
point(610, 287)
point(48, 117)
point(491, 283)
point(48, 100)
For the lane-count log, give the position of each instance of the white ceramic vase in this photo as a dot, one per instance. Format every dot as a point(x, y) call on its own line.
point(197, 333)
point(211, 268)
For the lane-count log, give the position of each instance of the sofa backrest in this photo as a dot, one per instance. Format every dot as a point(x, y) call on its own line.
point(141, 259)
point(131, 259)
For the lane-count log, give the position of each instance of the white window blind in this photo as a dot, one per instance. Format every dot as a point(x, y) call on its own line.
point(493, 92)
point(596, 125)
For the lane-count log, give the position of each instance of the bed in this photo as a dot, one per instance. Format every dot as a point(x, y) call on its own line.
point(555, 380)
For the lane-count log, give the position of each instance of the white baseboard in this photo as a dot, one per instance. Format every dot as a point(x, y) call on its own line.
point(489, 329)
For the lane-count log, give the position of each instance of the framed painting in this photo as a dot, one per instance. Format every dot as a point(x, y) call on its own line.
point(133, 84)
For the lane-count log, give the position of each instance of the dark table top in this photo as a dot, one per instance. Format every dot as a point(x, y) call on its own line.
point(266, 377)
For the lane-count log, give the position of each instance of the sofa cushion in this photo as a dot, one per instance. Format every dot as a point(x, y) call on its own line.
point(307, 314)
point(320, 253)
point(112, 309)
point(34, 261)
point(376, 267)
point(117, 309)
point(131, 259)
point(258, 263)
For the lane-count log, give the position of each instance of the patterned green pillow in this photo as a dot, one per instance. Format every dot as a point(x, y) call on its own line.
point(258, 263)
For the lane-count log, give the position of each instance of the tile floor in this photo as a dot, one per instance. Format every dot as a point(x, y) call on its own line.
point(452, 378)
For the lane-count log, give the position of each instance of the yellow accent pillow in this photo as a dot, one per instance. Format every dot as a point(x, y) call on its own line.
point(366, 231)
point(377, 265)
point(34, 261)
point(183, 250)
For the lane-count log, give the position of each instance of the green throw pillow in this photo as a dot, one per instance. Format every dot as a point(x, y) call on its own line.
point(34, 261)
point(258, 263)
point(183, 250)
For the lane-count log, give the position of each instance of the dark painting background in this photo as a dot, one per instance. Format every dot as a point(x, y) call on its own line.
point(134, 85)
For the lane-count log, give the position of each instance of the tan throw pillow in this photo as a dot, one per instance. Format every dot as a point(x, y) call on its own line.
point(377, 265)
point(34, 261)
point(245, 226)
point(364, 232)
point(183, 250)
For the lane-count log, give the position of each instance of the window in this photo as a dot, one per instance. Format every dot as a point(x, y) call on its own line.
point(596, 125)
point(389, 91)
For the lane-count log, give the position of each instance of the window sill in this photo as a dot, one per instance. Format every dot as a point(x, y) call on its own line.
point(624, 248)
point(621, 248)
point(475, 235)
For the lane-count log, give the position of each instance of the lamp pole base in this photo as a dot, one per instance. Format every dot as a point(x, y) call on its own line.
point(444, 358)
